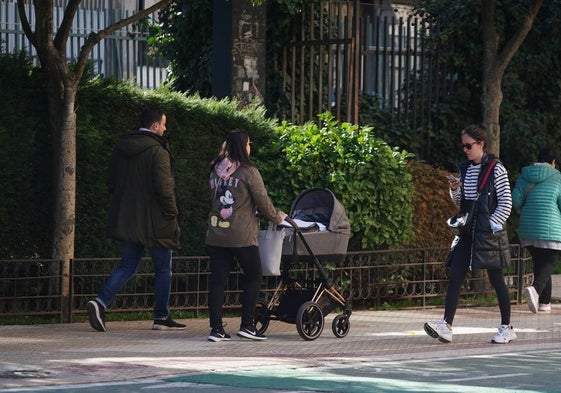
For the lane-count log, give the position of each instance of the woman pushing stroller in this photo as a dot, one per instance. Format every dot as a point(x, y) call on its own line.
point(237, 193)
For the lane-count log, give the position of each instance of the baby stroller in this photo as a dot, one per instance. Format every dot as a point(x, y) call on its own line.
point(317, 221)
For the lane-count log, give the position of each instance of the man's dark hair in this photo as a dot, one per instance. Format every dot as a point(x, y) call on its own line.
point(546, 155)
point(150, 115)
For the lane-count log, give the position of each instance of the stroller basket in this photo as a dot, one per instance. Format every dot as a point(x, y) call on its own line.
point(324, 224)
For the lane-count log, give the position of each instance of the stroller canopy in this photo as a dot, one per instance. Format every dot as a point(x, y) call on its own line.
point(320, 205)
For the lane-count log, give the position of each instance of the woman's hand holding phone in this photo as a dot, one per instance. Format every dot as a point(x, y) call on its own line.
point(454, 181)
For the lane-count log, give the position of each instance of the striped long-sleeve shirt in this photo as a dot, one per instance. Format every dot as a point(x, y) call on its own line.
point(502, 187)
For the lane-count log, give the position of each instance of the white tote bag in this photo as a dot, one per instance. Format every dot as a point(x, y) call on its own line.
point(270, 250)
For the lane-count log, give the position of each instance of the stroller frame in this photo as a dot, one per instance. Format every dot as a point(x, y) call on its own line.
point(305, 306)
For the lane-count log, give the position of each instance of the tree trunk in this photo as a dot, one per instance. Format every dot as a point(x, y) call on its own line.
point(491, 100)
point(62, 89)
point(64, 176)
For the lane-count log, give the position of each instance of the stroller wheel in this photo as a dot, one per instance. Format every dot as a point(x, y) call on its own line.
point(309, 321)
point(262, 317)
point(341, 325)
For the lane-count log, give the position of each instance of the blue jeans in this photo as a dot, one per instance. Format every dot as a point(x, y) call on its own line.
point(130, 258)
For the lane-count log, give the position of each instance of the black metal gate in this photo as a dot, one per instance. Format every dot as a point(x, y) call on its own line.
point(343, 49)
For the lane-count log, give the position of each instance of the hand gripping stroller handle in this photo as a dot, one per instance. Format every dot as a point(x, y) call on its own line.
point(328, 282)
point(292, 222)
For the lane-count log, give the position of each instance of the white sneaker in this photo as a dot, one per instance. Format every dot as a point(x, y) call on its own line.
point(439, 330)
point(532, 296)
point(544, 307)
point(504, 335)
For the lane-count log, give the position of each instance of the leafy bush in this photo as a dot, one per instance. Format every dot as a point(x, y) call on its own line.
point(432, 206)
point(367, 176)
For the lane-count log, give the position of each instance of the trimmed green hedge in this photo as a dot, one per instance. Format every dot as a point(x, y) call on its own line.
point(371, 179)
point(196, 129)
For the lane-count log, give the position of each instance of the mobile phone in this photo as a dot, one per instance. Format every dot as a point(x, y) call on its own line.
point(452, 179)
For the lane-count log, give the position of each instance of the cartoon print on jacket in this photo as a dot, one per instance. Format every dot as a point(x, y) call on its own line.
point(227, 201)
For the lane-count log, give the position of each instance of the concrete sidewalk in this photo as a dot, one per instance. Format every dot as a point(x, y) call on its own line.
point(50, 355)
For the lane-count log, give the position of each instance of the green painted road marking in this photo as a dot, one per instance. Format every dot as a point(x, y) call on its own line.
point(327, 381)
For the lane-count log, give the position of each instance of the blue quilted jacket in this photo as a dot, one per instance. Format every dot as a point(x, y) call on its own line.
point(540, 217)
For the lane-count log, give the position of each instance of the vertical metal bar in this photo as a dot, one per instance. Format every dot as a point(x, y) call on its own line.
point(430, 92)
point(301, 68)
point(337, 65)
point(356, 61)
point(100, 45)
point(416, 73)
point(384, 61)
point(408, 70)
point(400, 74)
point(392, 86)
point(311, 84)
point(366, 22)
point(376, 41)
point(293, 80)
point(423, 84)
point(520, 274)
point(70, 309)
point(320, 92)
point(330, 86)
point(348, 18)
point(284, 76)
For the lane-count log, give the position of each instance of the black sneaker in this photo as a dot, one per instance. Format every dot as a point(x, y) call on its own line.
point(167, 324)
point(96, 315)
point(250, 332)
point(218, 334)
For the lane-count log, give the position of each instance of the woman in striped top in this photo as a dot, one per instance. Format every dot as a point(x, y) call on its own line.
point(486, 245)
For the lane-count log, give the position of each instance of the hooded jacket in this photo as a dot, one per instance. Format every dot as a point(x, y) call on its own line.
point(143, 207)
point(237, 194)
point(540, 217)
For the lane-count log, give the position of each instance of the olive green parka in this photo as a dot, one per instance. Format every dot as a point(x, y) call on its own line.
point(143, 208)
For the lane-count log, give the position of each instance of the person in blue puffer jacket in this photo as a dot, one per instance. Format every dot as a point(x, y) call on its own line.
point(537, 195)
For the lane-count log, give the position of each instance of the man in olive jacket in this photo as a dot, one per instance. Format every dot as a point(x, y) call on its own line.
point(142, 215)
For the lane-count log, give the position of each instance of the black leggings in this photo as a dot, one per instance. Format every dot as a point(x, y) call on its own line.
point(544, 264)
point(221, 263)
point(459, 266)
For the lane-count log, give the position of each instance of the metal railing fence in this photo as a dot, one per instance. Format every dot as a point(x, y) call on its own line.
point(370, 279)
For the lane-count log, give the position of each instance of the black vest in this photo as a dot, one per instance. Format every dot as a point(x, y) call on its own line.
point(488, 250)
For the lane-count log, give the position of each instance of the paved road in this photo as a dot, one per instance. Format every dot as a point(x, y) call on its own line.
point(385, 351)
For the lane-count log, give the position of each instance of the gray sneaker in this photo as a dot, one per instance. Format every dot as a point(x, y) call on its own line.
point(533, 297)
point(439, 330)
point(167, 324)
point(504, 335)
point(96, 315)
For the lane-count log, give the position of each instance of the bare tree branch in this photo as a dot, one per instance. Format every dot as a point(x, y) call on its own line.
point(25, 24)
point(94, 38)
point(64, 28)
point(511, 47)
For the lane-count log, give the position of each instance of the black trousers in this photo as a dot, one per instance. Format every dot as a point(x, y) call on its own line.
point(221, 263)
point(544, 260)
point(459, 266)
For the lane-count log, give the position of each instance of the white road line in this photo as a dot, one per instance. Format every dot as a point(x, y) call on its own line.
point(487, 377)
